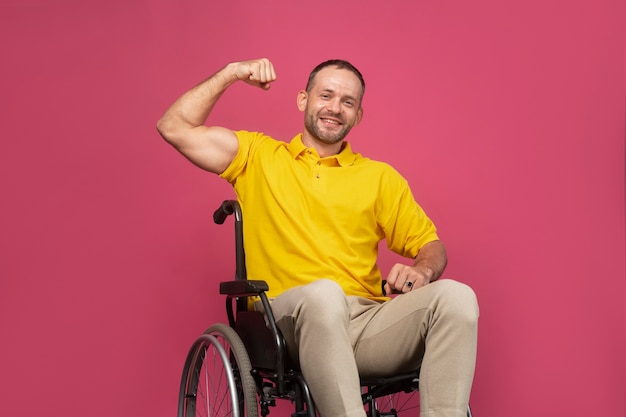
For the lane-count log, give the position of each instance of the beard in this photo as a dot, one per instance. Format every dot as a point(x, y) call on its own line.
point(326, 137)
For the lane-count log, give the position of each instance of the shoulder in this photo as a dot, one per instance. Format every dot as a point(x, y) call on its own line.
point(254, 137)
point(254, 143)
point(255, 148)
point(382, 170)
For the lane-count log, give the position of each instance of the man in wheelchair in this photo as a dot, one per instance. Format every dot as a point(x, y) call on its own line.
point(315, 212)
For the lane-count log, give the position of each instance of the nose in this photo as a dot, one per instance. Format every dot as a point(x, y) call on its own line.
point(334, 106)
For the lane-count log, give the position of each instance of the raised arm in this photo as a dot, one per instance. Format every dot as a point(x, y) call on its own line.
point(183, 124)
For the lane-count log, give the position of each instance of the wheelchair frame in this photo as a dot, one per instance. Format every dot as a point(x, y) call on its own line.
point(250, 357)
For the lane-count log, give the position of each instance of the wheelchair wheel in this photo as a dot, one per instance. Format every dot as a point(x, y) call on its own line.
point(217, 379)
point(391, 396)
point(398, 404)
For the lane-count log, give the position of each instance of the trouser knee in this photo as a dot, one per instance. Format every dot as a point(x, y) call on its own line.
point(457, 301)
point(322, 300)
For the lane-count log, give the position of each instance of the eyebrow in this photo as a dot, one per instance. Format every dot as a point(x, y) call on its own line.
point(330, 90)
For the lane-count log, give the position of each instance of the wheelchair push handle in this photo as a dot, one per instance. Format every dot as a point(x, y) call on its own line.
point(227, 208)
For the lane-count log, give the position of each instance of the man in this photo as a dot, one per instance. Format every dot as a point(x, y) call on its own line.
point(315, 213)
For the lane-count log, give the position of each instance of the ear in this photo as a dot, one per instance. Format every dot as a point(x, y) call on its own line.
point(359, 115)
point(302, 99)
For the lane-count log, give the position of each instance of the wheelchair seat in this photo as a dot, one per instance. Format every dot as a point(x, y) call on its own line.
point(241, 368)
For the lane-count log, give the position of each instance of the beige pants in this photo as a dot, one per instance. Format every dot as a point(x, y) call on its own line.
point(336, 338)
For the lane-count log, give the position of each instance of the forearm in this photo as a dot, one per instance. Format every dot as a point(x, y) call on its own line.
point(193, 108)
point(431, 260)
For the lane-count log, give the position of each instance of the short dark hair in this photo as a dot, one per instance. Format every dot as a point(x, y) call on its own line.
point(340, 64)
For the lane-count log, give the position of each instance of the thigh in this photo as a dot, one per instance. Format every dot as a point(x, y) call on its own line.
point(313, 311)
point(393, 335)
point(321, 300)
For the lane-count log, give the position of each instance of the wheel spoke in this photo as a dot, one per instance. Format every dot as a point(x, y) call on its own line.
point(214, 386)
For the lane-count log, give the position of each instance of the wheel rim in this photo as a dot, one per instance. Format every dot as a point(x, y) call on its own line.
point(216, 380)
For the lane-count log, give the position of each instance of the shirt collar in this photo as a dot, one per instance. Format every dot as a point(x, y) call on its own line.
point(345, 158)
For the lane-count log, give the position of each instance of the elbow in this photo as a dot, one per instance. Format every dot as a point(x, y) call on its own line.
point(166, 129)
point(162, 128)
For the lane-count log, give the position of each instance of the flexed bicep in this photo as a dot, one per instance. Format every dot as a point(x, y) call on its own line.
point(210, 148)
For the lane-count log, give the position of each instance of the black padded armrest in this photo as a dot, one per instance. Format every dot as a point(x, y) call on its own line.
point(243, 288)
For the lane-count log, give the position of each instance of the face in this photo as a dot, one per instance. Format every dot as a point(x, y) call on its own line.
point(332, 106)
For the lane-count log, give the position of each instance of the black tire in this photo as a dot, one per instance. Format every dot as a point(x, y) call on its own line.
point(217, 379)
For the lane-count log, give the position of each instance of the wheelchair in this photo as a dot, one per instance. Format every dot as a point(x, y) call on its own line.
point(241, 369)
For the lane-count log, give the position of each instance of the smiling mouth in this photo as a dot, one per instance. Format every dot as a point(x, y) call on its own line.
point(329, 121)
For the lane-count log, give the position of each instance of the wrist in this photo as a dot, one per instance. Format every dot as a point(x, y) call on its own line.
point(229, 74)
point(428, 274)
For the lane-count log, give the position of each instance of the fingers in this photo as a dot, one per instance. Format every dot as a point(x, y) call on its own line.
point(402, 279)
point(260, 73)
point(389, 289)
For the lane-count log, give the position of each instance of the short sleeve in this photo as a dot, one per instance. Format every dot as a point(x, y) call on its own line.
point(237, 166)
point(405, 224)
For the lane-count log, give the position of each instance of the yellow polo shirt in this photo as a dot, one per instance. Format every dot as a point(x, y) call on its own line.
point(307, 217)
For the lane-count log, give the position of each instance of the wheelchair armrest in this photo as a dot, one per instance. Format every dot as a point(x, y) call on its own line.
point(243, 288)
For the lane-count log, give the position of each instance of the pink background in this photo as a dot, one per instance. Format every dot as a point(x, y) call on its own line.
point(506, 117)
